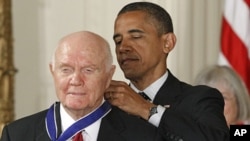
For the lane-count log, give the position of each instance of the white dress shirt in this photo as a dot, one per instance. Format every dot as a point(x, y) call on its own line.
point(90, 133)
point(151, 91)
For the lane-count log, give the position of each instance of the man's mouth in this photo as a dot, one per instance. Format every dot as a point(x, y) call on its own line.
point(127, 60)
point(76, 93)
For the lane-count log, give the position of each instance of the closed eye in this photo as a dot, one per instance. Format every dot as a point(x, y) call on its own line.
point(89, 70)
point(118, 40)
point(136, 35)
point(66, 70)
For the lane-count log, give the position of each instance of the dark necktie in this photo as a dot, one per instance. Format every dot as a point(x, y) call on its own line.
point(78, 137)
point(144, 96)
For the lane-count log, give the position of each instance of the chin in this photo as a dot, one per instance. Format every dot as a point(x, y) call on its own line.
point(75, 104)
point(129, 75)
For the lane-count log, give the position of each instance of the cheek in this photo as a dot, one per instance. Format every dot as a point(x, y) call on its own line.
point(227, 107)
point(61, 84)
point(95, 92)
point(230, 109)
point(230, 106)
point(98, 85)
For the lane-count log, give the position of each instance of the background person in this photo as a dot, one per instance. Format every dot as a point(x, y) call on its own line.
point(82, 69)
point(236, 97)
point(144, 36)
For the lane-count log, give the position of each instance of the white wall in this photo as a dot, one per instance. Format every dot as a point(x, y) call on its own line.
point(39, 24)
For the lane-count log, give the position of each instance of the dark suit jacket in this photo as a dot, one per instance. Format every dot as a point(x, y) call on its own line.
point(115, 126)
point(195, 113)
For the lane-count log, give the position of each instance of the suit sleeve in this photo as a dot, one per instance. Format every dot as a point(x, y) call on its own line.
point(195, 117)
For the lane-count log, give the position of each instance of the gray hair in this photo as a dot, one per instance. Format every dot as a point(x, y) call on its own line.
point(224, 74)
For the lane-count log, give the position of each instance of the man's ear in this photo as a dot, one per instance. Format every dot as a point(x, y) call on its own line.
point(111, 73)
point(169, 42)
point(51, 68)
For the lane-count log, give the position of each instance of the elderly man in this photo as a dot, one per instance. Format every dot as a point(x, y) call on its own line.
point(82, 69)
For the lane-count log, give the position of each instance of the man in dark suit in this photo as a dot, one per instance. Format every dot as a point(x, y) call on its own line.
point(143, 35)
point(82, 69)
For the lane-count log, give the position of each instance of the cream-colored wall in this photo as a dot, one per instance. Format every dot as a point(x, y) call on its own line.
point(39, 24)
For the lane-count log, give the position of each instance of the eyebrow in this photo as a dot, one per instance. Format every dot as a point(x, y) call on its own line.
point(130, 32)
point(135, 30)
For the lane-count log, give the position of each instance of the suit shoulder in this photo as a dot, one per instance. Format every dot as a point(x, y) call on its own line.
point(29, 120)
point(200, 89)
point(206, 89)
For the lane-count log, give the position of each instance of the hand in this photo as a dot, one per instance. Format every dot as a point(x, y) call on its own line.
point(121, 95)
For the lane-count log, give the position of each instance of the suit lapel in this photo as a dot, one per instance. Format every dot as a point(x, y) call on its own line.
point(41, 132)
point(43, 136)
point(169, 92)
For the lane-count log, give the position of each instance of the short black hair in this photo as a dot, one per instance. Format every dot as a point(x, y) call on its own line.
point(163, 21)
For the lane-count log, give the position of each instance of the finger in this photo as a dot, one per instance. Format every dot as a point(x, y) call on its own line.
point(118, 83)
point(108, 95)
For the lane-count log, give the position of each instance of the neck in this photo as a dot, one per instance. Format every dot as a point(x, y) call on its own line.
point(77, 114)
point(143, 82)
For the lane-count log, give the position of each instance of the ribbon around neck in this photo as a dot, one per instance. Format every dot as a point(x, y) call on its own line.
point(79, 125)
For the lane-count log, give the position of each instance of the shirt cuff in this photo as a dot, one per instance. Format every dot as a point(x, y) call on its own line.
point(156, 118)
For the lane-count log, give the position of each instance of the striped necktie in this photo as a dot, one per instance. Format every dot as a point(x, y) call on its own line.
point(144, 96)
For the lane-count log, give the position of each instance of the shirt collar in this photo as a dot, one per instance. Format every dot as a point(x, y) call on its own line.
point(91, 131)
point(152, 89)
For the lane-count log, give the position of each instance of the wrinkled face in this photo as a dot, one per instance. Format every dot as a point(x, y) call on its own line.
point(139, 48)
point(230, 108)
point(80, 76)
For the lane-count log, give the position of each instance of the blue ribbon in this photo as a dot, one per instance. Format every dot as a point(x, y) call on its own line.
point(79, 125)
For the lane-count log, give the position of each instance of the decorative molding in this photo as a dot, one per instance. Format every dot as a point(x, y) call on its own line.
point(7, 69)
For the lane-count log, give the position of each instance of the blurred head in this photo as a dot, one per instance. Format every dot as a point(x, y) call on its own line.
point(82, 69)
point(143, 35)
point(237, 102)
